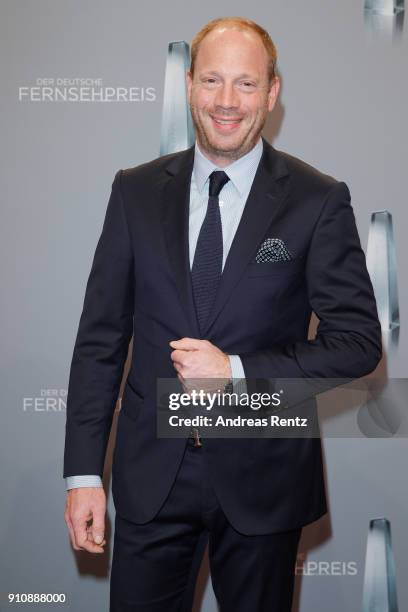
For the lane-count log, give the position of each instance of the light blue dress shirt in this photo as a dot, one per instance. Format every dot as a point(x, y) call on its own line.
point(232, 199)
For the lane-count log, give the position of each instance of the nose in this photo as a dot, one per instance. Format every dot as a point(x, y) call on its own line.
point(227, 96)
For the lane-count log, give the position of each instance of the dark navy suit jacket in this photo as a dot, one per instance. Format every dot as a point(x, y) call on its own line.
point(140, 284)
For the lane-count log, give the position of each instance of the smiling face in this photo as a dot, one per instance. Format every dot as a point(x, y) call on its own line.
point(230, 94)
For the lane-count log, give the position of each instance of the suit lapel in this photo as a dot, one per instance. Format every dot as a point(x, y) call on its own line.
point(176, 205)
point(266, 198)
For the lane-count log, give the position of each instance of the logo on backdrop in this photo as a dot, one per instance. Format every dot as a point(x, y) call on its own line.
point(64, 89)
point(324, 568)
point(48, 400)
point(52, 401)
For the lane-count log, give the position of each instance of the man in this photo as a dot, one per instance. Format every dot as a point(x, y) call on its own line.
point(214, 258)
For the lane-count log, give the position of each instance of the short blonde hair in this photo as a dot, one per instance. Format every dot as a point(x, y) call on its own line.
point(241, 24)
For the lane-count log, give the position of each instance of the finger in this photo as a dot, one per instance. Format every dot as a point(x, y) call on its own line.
point(81, 539)
point(68, 521)
point(80, 531)
point(71, 533)
point(181, 359)
point(92, 547)
point(187, 344)
point(178, 367)
point(178, 356)
point(98, 525)
point(91, 539)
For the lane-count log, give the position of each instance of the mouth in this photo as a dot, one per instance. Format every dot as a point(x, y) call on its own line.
point(225, 125)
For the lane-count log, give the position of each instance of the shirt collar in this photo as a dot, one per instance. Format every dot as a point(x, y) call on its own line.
point(241, 171)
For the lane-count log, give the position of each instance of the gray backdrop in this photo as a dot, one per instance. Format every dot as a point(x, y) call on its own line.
point(342, 108)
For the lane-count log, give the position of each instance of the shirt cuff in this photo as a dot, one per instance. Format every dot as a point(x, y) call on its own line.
point(238, 374)
point(77, 482)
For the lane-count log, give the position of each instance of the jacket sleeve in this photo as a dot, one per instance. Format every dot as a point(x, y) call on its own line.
point(101, 346)
point(348, 342)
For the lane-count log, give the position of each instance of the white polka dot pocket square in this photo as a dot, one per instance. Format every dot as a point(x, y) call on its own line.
point(273, 249)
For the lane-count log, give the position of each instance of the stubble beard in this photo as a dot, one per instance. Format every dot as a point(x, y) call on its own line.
point(248, 141)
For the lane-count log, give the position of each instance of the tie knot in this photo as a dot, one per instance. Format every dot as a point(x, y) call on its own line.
point(218, 178)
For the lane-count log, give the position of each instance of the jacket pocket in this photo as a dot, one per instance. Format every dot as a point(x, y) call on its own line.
point(132, 401)
point(276, 268)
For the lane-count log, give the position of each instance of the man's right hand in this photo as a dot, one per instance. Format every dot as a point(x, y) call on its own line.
point(85, 505)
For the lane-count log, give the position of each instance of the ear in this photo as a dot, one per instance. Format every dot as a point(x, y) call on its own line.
point(189, 84)
point(273, 93)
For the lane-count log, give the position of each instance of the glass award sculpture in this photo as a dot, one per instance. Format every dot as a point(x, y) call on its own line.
point(384, 7)
point(177, 132)
point(382, 267)
point(380, 588)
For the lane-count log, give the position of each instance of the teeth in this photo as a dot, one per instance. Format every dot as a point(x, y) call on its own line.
point(225, 122)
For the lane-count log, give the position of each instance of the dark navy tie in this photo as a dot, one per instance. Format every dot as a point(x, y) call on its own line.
point(207, 265)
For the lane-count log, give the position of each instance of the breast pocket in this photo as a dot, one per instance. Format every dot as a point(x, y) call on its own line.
point(277, 268)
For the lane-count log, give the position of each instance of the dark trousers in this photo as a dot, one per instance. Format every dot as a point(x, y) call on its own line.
point(153, 562)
